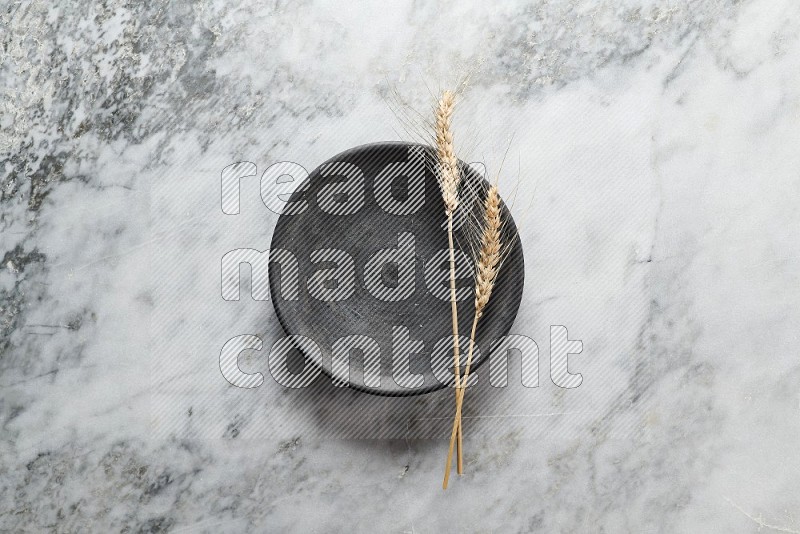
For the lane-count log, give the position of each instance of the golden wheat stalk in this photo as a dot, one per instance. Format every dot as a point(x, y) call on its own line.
point(449, 177)
point(488, 263)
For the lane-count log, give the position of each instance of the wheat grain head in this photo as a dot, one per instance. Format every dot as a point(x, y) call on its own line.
point(448, 174)
point(490, 250)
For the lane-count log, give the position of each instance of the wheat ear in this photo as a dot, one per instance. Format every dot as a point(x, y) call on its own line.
point(449, 177)
point(488, 264)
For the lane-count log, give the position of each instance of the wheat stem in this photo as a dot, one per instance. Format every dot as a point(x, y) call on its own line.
point(459, 399)
point(454, 313)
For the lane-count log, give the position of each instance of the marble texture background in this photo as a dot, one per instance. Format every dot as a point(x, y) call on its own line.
point(656, 141)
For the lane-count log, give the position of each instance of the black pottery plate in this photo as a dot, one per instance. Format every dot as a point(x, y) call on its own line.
point(368, 230)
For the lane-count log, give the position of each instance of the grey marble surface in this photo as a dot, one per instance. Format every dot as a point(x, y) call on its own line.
point(657, 143)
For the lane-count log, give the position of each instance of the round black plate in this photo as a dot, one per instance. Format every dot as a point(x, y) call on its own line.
point(361, 202)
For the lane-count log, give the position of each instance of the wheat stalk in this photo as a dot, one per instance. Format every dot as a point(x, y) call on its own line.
point(489, 260)
point(449, 177)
